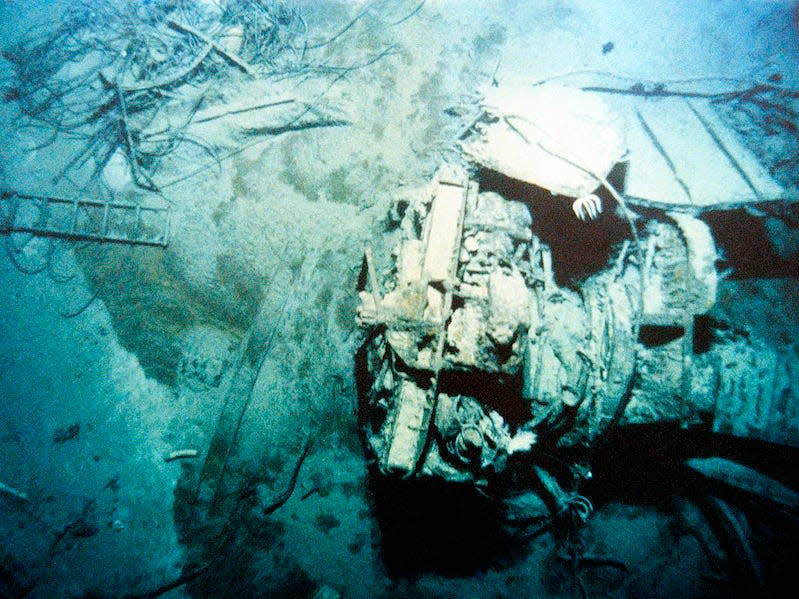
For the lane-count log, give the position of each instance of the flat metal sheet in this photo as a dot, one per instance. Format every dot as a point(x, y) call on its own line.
point(556, 137)
point(746, 163)
point(681, 155)
point(649, 173)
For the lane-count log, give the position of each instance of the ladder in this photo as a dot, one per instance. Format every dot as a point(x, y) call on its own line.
point(79, 219)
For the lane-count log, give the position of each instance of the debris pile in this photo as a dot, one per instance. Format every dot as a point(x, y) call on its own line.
point(126, 79)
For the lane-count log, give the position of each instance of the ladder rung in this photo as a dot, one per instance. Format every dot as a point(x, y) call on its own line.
point(8, 222)
point(74, 225)
point(136, 225)
point(164, 240)
point(104, 226)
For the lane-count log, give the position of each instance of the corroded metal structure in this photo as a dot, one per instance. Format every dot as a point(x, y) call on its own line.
point(478, 359)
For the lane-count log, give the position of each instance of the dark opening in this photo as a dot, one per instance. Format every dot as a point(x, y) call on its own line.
point(656, 335)
point(579, 249)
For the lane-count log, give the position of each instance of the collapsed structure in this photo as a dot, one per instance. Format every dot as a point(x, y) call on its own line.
point(477, 359)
